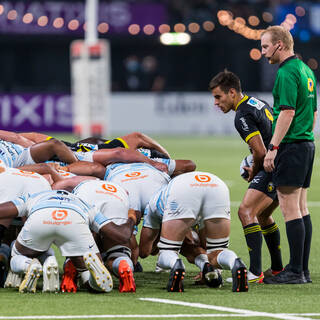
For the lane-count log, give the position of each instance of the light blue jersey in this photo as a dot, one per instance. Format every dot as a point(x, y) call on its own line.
point(141, 180)
point(59, 199)
point(10, 152)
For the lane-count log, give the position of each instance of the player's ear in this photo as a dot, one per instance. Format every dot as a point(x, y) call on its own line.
point(232, 92)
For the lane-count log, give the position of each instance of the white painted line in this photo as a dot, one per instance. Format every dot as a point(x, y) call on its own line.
point(248, 313)
point(115, 316)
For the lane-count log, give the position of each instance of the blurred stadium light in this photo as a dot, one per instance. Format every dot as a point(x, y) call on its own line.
point(36, 36)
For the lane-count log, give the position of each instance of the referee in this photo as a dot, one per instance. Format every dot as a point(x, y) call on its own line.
point(291, 150)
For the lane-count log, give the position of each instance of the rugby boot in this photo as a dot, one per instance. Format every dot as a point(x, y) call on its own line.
point(100, 279)
point(126, 279)
point(270, 273)
point(138, 267)
point(211, 276)
point(253, 278)
point(69, 278)
point(13, 280)
point(286, 276)
point(29, 283)
point(239, 276)
point(307, 276)
point(50, 275)
point(177, 273)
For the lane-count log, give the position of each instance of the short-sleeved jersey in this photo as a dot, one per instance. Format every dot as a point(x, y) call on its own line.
point(295, 88)
point(59, 200)
point(10, 152)
point(16, 183)
point(141, 180)
point(253, 117)
point(110, 199)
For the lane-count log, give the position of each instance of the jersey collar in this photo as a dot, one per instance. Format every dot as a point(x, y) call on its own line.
point(242, 100)
point(288, 59)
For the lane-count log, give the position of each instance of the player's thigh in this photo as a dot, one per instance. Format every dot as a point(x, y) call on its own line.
point(176, 229)
point(75, 238)
point(217, 228)
point(37, 233)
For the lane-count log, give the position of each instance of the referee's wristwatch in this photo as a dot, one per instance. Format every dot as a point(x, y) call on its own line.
point(271, 147)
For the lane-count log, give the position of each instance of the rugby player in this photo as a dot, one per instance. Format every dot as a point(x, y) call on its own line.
point(190, 198)
point(61, 218)
point(253, 120)
point(15, 155)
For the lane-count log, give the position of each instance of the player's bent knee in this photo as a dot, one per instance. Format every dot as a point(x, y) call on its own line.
point(116, 251)
point(217, 244)
point(165, 244)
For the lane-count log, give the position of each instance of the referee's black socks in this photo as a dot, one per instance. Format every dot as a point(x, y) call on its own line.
point(296, 235)
point(307, 241)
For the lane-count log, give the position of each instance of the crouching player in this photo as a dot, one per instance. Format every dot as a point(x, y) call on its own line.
point(113, 203)
point(60, 218)
point(187, 199)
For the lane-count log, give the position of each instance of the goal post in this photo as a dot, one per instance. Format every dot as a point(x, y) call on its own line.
point(90, 79)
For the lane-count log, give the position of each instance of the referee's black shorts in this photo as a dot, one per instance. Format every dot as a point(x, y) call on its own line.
point(293, 164)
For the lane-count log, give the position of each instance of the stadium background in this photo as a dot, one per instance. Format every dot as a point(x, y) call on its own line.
point(160, 90)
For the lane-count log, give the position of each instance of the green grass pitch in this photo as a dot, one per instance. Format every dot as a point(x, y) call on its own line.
point(221, 156)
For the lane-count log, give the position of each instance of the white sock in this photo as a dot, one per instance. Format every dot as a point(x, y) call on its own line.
point(167, 259)
point(116, 262)
point(226, 259)
point(19, 263)
point(200, 261)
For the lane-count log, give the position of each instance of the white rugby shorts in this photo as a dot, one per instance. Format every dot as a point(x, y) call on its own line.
point(197, 195)
point(65, 228)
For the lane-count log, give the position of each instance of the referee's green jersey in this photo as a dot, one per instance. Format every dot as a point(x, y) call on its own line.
point(295, 88)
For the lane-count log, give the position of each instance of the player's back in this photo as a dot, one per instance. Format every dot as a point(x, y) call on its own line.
point(141, 180)
point(15, 183)
point(110, 198)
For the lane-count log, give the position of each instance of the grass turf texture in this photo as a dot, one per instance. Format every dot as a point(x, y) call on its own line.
point(221, 156)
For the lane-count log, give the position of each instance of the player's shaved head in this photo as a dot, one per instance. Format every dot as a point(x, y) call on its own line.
point(226, 80)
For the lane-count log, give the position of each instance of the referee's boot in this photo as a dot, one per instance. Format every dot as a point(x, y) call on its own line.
point(286, 276)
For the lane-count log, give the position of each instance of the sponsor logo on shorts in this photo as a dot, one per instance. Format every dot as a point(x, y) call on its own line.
point(59, 214)
point(270, 187)
point(109, 187)
point(26, 174)
point(202, 178)
point(256, 179)
point(133, 174)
